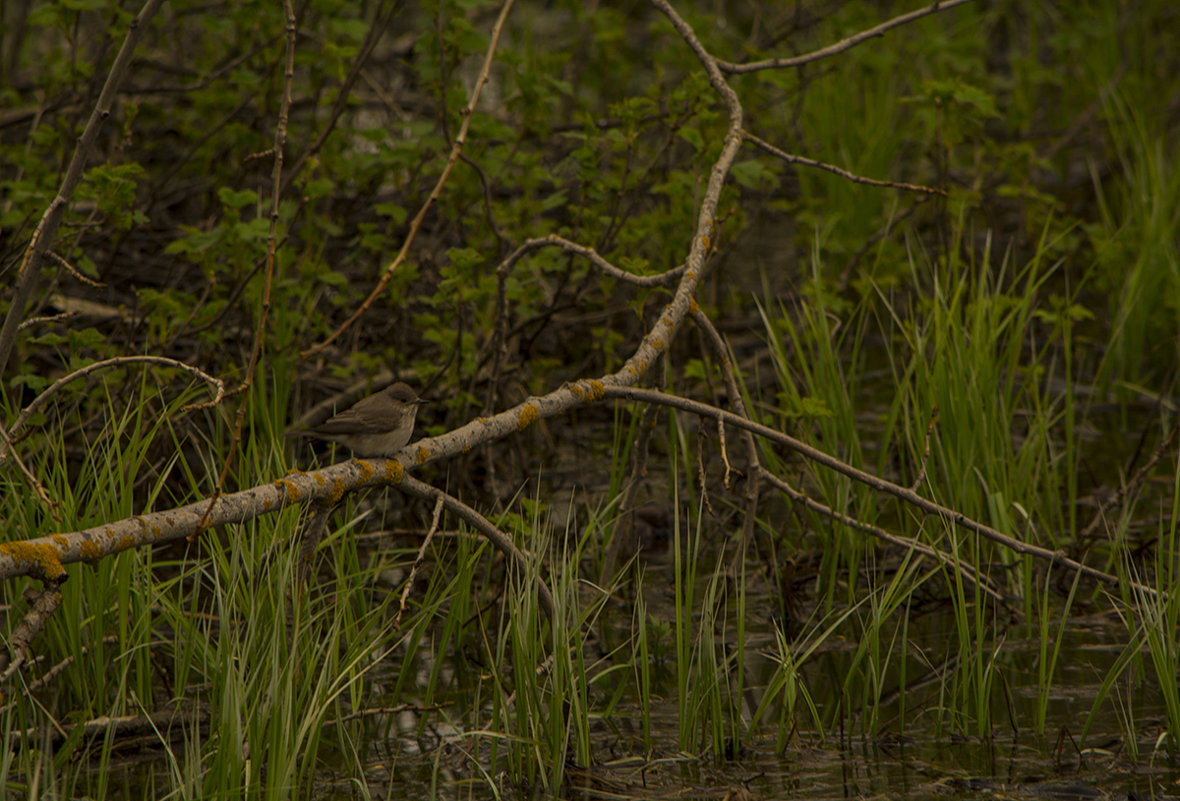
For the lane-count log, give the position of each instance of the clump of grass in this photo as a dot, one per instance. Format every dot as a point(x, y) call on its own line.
point(542, 708)
point(974, 365)
point(1159, 626)
point(1137, 258)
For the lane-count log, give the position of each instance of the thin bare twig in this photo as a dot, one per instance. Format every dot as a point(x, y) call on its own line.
point(377, 28)
point(435, 520)
point(702, 473)
point(666, 278)
point(272, 245)
point(752, 487)
point(416, 223)
point(34, 482)
point(72, 270)
point(859, 179)
point(40, 610)
point(842, 45)
point(1136, 481)
point(48, 318)
point(118, 361)
point(955, 563)
point(46, 229)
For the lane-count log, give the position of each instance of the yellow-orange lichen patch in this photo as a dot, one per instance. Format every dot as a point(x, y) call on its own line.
point(337, 491)
point(318, 477)
point(597, 390)
point(90, 550)
point(44, 560)
point(288, 489)
point(421, 454)
point(394, 472)
point(367, 471)
point(126, 542)
point(62, 541)
point(528, 416)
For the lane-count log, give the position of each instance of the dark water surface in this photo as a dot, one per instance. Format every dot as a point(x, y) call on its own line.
point(927, 757)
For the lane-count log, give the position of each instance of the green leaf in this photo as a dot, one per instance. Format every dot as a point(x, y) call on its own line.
point(232, 199)
point(396, 213)
point(464, 258)
point(693, 137)
point(753, 174)
point(34, 382)
point(50, 339)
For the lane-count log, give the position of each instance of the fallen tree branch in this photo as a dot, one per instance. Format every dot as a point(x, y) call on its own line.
point(45, 557)
point(159, 724)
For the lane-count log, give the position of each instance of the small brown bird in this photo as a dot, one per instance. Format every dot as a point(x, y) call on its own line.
point(379, 425)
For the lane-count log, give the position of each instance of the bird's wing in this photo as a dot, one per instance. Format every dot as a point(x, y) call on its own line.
point(356, 420)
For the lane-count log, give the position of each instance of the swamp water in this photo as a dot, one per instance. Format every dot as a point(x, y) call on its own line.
point(1084, 754)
